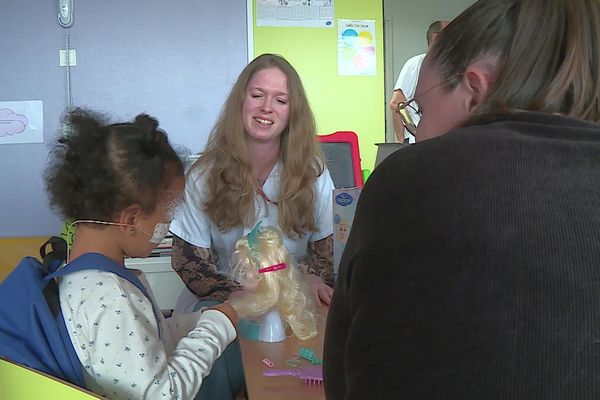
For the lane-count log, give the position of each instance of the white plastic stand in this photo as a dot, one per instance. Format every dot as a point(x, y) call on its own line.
point(271, 327)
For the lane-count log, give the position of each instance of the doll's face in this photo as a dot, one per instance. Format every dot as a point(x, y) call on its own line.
point(343, 231)
point(249, 277)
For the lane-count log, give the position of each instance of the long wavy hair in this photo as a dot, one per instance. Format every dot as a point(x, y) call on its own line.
point(285, 290)
point(227, 164)
point(544, 55)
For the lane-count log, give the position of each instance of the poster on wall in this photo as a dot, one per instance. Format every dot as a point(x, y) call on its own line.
point(21, 122)
point(298, 13)
point(356, 48)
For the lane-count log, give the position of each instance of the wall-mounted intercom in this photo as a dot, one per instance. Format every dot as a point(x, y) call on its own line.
point(65, 13)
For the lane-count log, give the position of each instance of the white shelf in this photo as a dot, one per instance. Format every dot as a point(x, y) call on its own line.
point(164, 282)
point(150, 264)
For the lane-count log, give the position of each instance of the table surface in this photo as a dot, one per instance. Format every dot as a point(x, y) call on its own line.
point(281, 387)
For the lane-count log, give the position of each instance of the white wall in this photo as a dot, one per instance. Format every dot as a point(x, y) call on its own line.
point(405, 28)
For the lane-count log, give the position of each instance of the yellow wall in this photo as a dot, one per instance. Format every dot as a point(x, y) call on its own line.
point(355, 103)
point(12, 250)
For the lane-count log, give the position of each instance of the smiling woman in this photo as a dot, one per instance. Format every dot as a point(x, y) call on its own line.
point(262, 164)
point(265, 166)
point(266, 109)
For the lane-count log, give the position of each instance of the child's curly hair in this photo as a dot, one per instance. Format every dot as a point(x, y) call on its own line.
point(100, 169)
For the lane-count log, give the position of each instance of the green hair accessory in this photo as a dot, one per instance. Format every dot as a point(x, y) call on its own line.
point(253, 237)
point(68, 233)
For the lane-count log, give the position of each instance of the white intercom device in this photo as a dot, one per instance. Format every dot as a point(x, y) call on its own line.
point(65, 13)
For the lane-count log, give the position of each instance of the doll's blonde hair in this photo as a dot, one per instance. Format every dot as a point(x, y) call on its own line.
point(285, 290)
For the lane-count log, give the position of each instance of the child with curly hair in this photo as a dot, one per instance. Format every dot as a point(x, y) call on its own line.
point(120, 184)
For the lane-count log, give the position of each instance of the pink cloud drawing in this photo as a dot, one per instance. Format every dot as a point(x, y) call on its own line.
point(11, 123)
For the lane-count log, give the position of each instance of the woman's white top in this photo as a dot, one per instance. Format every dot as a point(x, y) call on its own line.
point(195, 227)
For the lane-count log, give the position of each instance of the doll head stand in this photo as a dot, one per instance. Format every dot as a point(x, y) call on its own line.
point(277, 293)
point(271, 327)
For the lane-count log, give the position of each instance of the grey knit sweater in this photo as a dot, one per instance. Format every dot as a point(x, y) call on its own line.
point(472, 270)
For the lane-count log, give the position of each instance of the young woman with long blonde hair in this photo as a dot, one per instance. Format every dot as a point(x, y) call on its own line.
point(263, 164)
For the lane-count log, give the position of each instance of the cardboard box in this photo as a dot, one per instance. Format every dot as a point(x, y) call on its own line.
point(344, 207)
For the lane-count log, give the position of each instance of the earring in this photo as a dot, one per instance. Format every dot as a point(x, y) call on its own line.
point(132, 231)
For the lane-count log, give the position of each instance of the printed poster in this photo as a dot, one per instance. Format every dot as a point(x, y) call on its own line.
point(356, 48)
point(21, 122)
point(295, 13)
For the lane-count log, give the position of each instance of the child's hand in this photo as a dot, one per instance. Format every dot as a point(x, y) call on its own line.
point(322, 292)
point(237, 295)
point(229, 312)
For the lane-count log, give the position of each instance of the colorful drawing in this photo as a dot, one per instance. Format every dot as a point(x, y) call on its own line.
point(11, 123)
point(350, 37)
point(21, 122)
point(356, 48)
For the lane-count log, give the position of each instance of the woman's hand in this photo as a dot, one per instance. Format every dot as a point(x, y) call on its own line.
point(321, 291)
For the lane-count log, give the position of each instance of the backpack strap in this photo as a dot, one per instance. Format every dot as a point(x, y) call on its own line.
point(103, 263)
point(57, 255)
point(51, 261)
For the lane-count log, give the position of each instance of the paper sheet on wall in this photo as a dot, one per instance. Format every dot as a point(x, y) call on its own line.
point(302, 13)
point(356, 48)
point(21, 122)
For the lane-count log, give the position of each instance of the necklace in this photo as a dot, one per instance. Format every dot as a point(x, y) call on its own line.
point(262, 194)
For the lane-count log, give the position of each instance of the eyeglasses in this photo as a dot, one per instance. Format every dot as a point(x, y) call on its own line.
point(404, 110)
point(406, 107)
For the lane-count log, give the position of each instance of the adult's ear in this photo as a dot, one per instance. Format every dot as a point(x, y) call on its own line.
point(128, 217)
point(477, 82)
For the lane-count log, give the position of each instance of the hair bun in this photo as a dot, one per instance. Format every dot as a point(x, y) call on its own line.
point(146, 123)
point(80, 120)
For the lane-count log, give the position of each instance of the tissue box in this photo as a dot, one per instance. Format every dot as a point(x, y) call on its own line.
point(344, 207)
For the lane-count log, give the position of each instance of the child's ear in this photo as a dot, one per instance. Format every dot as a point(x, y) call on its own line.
point(129, 216)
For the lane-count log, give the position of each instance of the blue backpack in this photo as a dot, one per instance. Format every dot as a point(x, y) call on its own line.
point(32, 328)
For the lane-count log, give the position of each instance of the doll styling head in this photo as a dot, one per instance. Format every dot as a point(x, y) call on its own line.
point(263, 266)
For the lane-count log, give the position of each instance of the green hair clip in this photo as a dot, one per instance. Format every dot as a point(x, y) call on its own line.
point(68, 233)
point(253, 237)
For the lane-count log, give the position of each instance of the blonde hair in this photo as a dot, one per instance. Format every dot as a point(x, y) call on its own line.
point(230, 183)
point(284, 290)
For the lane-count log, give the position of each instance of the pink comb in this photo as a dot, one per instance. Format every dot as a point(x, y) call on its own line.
point(311, 375)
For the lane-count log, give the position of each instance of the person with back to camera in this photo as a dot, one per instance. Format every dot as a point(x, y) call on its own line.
point(407, 82)
point(262, 163)
point(479, 278)
point(121, 184)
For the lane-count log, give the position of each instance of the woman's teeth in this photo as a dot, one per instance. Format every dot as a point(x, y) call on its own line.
point(263, 121)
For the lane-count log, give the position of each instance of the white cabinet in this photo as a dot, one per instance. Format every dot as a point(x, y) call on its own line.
point(164, 282)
